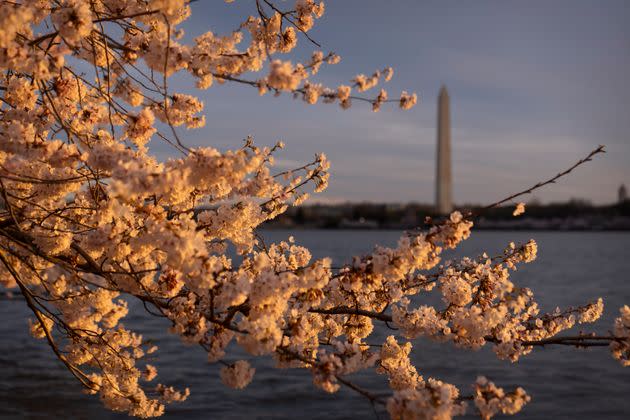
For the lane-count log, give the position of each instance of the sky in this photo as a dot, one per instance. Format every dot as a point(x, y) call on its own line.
point(534, 86)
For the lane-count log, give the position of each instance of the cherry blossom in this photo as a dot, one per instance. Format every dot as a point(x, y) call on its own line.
point(91, 220)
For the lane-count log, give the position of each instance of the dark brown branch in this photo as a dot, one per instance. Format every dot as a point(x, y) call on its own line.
point(588, 158)
point(344, 310)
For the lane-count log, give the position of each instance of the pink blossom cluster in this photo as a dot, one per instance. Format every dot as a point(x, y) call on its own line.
point(91, 219)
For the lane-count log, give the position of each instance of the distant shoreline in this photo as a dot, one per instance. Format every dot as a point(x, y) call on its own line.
point(477, 228)
point(571, 216)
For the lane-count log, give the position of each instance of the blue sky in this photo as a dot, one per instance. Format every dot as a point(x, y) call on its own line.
point(534, 86)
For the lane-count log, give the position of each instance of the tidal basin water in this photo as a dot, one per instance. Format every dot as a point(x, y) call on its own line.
point(565, 383)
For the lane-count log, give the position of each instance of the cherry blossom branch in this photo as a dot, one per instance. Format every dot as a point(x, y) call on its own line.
point(588, 158)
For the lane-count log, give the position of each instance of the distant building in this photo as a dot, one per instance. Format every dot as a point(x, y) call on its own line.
point(443, 180)
point(622, 194)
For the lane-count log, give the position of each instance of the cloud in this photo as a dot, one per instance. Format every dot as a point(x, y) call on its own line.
point(533, 87)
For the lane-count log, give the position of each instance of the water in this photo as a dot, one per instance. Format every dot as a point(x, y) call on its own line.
point(565, 383)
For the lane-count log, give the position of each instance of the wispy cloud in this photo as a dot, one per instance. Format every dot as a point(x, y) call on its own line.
point(534, 86)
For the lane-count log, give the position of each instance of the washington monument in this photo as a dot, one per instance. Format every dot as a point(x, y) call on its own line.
point(443, 181)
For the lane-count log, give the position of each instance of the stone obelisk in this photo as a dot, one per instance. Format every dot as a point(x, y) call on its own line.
point(443, 181)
